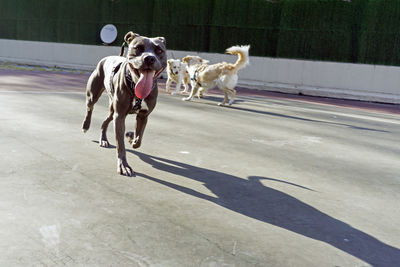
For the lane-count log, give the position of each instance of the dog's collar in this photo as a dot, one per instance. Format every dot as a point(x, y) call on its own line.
point(129, 81)
point(131, 84)
point(137, 105)
point(194, 77)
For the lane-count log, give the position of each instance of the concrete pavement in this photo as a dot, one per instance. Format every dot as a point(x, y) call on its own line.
point(276, 180)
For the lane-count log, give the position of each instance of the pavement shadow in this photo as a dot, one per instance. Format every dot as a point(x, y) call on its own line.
point(109, 146)
point(253, 199)
point(308, 120)
point(268, 113)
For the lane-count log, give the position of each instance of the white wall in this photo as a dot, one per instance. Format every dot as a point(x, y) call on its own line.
point(342, 80)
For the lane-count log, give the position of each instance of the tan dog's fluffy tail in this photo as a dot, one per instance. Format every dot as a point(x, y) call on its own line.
point(243, 55)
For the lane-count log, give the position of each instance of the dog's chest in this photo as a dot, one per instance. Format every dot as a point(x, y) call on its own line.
point(144, 106)
point(173, 76)
point(138, 106)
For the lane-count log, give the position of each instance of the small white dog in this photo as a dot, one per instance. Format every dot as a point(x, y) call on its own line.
point(177, 72)
point(223, 75)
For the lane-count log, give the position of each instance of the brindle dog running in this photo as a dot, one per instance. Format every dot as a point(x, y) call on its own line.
point(131, 84)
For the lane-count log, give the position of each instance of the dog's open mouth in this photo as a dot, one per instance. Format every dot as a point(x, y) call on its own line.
point(145, 83)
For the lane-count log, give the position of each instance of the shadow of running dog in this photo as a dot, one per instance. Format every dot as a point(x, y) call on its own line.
point(253, 199)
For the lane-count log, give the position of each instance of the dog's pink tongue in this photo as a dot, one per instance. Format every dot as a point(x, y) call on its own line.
point(144, 84)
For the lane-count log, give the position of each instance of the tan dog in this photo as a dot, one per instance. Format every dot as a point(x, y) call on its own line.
point(223, 75)
point(177, 72)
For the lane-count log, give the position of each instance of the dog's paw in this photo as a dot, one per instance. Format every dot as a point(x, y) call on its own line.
point(221, 104)
point(134, 141)
point(186, 99)
point(124, 168)
point(130, 136)
point(104, 143)
point(86, 125)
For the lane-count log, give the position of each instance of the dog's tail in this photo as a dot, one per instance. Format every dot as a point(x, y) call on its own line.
point(243, 55)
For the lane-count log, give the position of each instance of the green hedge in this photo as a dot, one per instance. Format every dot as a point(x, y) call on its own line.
point(366, 31)
point(252, 22)
point(316, 30)
point(185, 24)
point(380, 35)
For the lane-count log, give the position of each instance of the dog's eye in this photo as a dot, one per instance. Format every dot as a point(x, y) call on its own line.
point(139, 49)
point(158, 50)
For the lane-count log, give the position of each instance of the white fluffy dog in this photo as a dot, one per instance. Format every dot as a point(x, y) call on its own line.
point(177, 72)
point(223, 75)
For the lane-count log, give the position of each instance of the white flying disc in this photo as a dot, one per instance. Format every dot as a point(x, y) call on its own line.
point(108, 34)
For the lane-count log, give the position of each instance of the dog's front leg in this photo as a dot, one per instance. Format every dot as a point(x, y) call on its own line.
point(135, 138)
point(178, 85)
point(119, 127)
point(168, 85)
point(195, 88)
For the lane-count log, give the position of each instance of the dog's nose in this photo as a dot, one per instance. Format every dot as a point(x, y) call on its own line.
point(149, 60)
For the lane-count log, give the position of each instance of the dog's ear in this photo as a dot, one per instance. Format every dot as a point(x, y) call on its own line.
point(186, 59)
point(169, 61)
point(162, 39)
point(127, 40)
point(130, 36)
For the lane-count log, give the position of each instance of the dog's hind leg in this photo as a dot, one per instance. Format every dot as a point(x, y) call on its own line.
point(201, 92)
point(233, 94)
point(225, 90)
point(103, 138)
point(94, 89)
